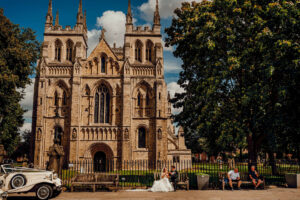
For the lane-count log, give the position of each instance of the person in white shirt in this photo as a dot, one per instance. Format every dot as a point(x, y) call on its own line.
point(234, 176)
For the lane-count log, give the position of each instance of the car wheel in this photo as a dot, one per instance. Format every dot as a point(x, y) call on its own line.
point(44, 192)
point(17, 181)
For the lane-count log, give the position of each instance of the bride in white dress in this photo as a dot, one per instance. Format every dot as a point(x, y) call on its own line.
point(163, 185)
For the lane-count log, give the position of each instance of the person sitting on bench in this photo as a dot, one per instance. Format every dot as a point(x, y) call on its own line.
point(255, 177)
point(234, 176)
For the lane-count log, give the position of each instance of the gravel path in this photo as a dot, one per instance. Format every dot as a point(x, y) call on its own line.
point(269, 194)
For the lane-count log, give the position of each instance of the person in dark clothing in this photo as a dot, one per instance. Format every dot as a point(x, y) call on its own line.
point(255, 178)
point(174, 177)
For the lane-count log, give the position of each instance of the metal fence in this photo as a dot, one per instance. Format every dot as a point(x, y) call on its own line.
point(140, 173)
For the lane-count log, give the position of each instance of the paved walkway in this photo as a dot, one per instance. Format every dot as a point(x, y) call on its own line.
point(269, 194)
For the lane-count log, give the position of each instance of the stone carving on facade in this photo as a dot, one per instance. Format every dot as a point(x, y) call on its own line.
point(39, 134)
point(126, 134)
point(159, 134)
point(56, 157)
point(74, 134)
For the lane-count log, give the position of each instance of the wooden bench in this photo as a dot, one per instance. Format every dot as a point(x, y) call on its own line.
point(94, 180)
point(244, 178)
point(183, 180)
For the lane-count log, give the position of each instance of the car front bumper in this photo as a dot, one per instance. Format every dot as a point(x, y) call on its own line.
point(57, 188)
point(57, 182)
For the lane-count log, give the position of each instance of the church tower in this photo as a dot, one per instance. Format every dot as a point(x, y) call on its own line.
point(57, 84)
point(111, 105)
point(144, 75)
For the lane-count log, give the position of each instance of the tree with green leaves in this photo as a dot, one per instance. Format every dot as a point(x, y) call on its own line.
point(23, 148)
point(19, 51)
point(240, 73)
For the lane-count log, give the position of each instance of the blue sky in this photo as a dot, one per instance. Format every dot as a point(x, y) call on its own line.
point(100, 13)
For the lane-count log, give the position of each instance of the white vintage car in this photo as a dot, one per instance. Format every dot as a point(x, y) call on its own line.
point(45, 184)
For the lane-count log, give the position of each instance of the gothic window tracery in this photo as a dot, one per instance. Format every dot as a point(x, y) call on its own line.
point(55, 98)
point(139, 101)
point(138, 51)
point(58, 47)
point(149, 51)
point(69, 50)
point(102, 105)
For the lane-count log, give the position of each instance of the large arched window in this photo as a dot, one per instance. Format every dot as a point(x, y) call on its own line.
point(138, 51)
point(103, 64)
point(69, 50)
point(58, 46)
point(149, 51)
point(102, 105)
point(142, 138)
point(55, 98)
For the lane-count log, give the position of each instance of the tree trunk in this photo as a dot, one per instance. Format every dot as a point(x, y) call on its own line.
point(252, 152)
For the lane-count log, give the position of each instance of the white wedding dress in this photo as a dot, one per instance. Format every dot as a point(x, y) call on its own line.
point(163, 185)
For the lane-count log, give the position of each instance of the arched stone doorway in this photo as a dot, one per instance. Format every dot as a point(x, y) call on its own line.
point(102, 156)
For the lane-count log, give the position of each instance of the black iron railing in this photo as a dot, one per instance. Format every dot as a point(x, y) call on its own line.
point(140, 173)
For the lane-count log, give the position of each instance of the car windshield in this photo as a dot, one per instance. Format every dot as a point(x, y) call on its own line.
point(8, 168)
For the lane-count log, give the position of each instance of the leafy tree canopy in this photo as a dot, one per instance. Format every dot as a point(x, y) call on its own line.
point(240, 72)
point(19, 51)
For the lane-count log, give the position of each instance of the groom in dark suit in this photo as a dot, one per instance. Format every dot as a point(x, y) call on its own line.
point(174, 177)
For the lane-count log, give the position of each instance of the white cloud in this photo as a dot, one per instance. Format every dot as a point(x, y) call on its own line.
point(27, 103)
point(114, 24)
point(171, 67)
point(174, 88)
point(26, 126)
point(93, 39)
point(166, 8)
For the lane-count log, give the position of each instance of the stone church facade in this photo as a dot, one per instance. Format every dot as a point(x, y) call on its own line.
point(111, 105)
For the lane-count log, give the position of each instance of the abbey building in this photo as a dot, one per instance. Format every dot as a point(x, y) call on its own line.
point(110, 105)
